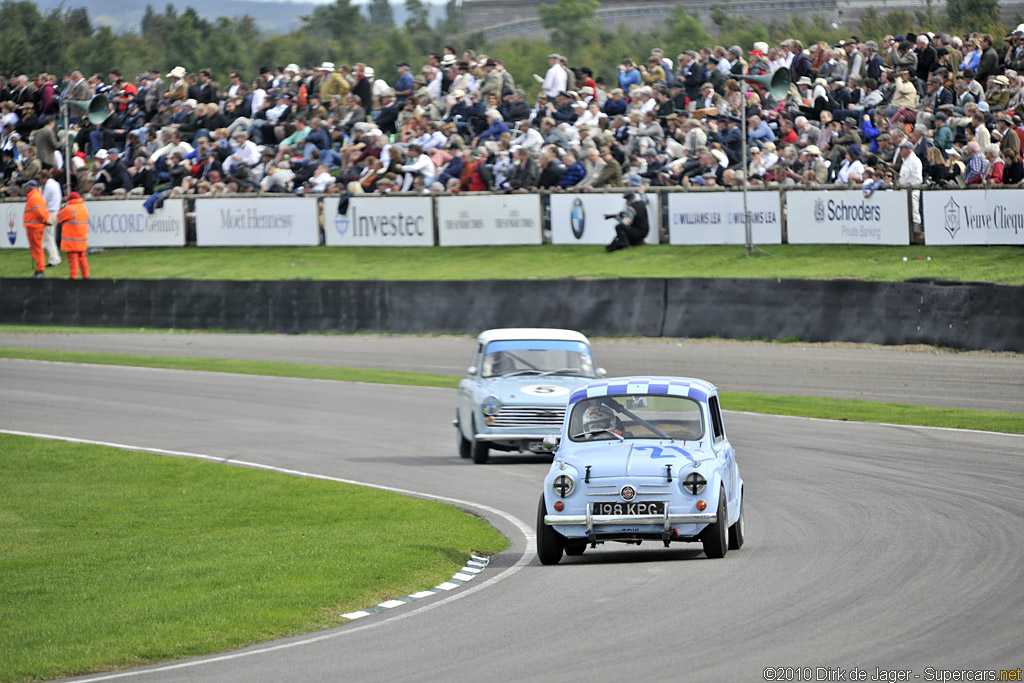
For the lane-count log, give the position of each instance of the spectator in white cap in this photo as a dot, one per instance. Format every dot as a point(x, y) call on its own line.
point(555, 80)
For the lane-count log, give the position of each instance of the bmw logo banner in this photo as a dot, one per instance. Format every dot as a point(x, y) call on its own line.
point(580, 218)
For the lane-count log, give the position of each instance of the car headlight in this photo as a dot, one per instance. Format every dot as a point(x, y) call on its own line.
point(694, 483)
point(491, 405)
point(563, 485)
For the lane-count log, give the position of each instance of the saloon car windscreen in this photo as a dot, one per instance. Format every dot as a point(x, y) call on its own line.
point(649, 416)
point(533, 358)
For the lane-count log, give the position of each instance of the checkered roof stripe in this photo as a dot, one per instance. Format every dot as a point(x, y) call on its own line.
point(619, 386)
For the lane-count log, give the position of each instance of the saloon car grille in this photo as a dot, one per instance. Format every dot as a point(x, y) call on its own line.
point(525, 416)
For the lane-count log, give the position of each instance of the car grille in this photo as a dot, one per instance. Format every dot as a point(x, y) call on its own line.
point(526, 416)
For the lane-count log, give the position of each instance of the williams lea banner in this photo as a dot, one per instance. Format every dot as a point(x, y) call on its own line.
point(847, 217)
point(580, 218)
point(974, 217)
point(717, 218)
point(264, 221)
point(380, 221)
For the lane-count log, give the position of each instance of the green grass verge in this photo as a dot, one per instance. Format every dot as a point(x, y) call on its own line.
point(112, 558)
point(813, 262)
point(802, 406)
point(241, 367)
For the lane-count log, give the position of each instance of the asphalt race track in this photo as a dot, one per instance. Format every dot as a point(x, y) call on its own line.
point(868, 546)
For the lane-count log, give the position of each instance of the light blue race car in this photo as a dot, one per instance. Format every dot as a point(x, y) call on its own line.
point(516, 389)
point(641, 459)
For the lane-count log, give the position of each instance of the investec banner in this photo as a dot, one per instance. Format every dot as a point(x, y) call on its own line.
point(126, 224)
point(717, 218)
point(488, 219)
point(256, 221)
point(847, 217)
point(974, 217)
point(380, 221)
point(112, 224)
point(580, 218)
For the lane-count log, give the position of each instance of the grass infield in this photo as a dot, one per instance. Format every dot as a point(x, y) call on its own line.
point(802, 406)
point(112, 558)
point(813, 262)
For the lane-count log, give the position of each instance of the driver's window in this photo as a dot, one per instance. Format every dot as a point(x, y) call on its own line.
point(716, 419)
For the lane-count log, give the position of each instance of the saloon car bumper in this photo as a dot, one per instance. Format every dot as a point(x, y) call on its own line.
point(518, 436)
point(666, 521)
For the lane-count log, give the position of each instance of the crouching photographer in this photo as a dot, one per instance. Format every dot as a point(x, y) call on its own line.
point(632, 227)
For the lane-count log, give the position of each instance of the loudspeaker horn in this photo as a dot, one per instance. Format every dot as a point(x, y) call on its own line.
point(97, 109)
point(777, 83)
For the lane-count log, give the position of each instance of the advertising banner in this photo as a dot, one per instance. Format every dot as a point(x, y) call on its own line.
point(380, 221)
point(126, 224)
point(241, 221)
point(973, 217)
point(112, 224)
point(580, 218)
point(15, 236)
point(717, 218)
point(488, 219)
point(847, 217)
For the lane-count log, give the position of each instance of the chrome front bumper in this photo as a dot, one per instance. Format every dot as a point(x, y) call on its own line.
point(510, 437)
point(666, 521)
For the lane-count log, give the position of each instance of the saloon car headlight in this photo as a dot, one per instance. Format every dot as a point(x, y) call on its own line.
point(563, 485)
point(491, 405)
point(694, 483)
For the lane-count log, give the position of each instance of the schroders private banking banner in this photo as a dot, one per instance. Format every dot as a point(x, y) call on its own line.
point(257, 221)
point(469, 220)
point(717, 218)
point(112, 224)
point(973, 217)
point(580, 218)
point(847, 217)
point(380, 221)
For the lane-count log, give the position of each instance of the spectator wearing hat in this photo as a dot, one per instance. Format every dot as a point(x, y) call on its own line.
point(404, 84)
point(997, 96)
point(942, 135)
point(911, 168)
point(692, 73)
point(388, 115)
point(492, 83)
point(852, 169)
point(1008, 140)
point(177, 89)
point(332, 83)
point(555, 80)
point(74, 224)
point(815, 170)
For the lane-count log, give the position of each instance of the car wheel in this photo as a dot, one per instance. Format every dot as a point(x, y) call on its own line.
point(715, 536)
point(549, 542)
point(736, 534)
point(479, 450)
point(575, 549)
point(463, 442)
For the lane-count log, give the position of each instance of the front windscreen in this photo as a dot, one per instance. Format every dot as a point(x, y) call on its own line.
point(542, 357)
point(646, 416)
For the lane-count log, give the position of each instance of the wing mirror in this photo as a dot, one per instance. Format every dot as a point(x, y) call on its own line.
point(471, 370)
point(551, 442)
point(601, 372)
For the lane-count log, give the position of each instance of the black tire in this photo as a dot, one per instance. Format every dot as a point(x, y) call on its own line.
point(736, 533)
point(716, 536)
point(549, 542)
point(575, 549)
point(463, 442)
point(479, 450)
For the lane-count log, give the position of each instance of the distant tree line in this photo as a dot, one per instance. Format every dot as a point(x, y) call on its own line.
point(62, 39)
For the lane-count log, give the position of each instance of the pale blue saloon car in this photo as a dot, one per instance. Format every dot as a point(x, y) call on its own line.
point(641, 459)
point(516, 389)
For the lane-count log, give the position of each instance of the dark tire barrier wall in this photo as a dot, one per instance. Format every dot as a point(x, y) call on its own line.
point(964, 316)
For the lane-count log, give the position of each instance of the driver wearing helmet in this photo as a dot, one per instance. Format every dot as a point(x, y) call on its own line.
point(599, 418)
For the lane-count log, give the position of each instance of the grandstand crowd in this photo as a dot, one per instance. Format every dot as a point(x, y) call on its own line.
point(915, 110)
